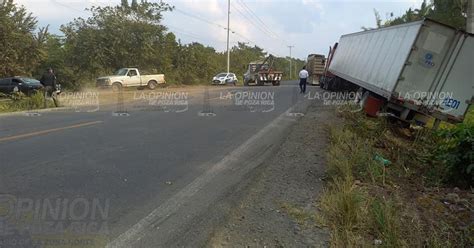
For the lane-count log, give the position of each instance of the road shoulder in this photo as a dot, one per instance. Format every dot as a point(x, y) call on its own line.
point(279, 206)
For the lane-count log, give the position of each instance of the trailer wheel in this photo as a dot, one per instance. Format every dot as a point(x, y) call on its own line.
point(326, 85)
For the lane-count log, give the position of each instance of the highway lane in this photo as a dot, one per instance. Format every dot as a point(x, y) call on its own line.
point(135, 162)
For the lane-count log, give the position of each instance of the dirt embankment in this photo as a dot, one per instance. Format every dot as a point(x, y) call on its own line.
point(280, 207)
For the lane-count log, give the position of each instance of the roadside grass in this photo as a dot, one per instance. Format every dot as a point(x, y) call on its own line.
point(388, 187)
point(470, 115)
point(19, 102)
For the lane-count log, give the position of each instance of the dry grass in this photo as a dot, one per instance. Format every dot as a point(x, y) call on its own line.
point(20, 102)
point(367, 203)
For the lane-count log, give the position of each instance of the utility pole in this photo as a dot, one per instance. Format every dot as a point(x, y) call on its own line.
point(228, 35)
point(290, 60)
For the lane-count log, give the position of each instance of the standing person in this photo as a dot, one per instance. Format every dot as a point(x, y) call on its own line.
point(48, 80)
point(303, 77)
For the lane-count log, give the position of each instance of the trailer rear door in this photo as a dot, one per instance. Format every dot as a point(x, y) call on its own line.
point(456, 90)
point(425, 63)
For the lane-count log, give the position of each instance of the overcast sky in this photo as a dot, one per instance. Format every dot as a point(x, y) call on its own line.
point(310, 25)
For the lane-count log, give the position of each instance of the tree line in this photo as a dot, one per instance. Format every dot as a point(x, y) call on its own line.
point(113, 37)
point(450, 12)
point(133, 35)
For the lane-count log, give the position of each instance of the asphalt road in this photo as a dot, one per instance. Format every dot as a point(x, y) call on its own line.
point(147, 172)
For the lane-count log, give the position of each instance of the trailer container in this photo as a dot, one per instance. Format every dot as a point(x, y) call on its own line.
point(315, 66)
point(420, 67)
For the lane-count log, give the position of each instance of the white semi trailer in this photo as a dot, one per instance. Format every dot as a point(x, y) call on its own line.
point(418, 69)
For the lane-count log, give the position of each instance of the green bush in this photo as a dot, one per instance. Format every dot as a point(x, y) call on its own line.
point(455, 152)
point(19, 102)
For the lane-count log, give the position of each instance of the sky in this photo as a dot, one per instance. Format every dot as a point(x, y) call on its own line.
point(311, 26)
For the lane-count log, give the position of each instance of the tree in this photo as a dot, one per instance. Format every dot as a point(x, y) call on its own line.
point(378, 21)
point(21, 48)
point(134, 5)
point(124, 4)
point(242, 55)
point(450, 12)
point(115, 37)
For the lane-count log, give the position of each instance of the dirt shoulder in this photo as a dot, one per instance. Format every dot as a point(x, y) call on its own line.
point(279, 207)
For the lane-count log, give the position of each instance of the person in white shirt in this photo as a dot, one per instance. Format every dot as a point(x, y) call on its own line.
point(303, 77)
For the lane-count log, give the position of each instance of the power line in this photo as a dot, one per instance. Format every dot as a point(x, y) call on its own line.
point(218, 25)
point(187, 33)
point(200, 18)
point(182, 31)
point(256, 17)
point(210, 22)
point(261, 23)
point(252, 14)
point(250, 21)
point(66, 6)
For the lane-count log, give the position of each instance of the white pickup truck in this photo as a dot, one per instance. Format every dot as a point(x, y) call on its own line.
point(130, 77)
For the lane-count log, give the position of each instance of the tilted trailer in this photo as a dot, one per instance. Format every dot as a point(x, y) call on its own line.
point(413, 70)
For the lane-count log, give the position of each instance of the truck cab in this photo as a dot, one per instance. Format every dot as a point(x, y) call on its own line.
point(132, 76)
point(261, 72)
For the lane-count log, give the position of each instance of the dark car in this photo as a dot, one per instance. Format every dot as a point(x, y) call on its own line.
point(14, 84)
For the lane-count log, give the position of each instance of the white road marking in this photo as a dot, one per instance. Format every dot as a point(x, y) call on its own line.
point(139, 230)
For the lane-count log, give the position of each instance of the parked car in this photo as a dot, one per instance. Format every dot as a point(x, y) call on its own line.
point(225, 78)
point(130, 77)
point(20, 84)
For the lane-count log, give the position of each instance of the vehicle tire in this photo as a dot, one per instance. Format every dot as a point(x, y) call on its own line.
point(276, 83)
point(152, 85)
point(326, 85)
point(116, 86)
point(16, 89)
